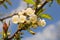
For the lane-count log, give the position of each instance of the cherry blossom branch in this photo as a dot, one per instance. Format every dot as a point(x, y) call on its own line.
point(35, 12)
point(1, 19)
point(16, 14)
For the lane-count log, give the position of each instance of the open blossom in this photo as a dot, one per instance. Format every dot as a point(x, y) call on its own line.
point(29, 11)
point(22, 18)
point(41, 22)
point(15, 19)
point(33, 18)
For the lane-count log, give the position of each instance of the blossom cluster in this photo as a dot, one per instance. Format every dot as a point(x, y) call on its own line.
point(28, 16)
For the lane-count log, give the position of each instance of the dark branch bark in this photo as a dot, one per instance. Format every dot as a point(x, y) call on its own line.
point(7, 17)
point(37, 2)
point(14, 34)
point(37, 9)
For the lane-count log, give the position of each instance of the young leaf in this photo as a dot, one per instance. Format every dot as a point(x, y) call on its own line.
point(58, 1)
point(30, 1)
point(5, 5)
point(47, 16)
point(40, 11)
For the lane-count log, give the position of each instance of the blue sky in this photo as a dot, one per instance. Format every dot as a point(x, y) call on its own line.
point(52, 27)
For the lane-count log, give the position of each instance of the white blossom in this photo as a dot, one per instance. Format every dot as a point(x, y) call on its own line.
point(33, 18)
point(29, 11)
point(15, 19)
point(41, 22)
point(22, 18)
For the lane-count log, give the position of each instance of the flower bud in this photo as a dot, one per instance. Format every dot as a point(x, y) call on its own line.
point(41, 22)
point(33, 33)
point(5, 27)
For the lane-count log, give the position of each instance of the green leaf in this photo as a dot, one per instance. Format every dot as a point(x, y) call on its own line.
point(30, 1)
point(40, 11)
point(58, 1)
point(47, 16)
point(5, 5)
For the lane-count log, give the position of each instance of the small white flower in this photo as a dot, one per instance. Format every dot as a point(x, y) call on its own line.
point(22, 19)
point(15, 19)
point(29, 11)
point(33, 18)
point(41, 22)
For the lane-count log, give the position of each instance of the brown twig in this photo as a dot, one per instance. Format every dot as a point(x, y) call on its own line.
point(1, 19)
point(14, 34)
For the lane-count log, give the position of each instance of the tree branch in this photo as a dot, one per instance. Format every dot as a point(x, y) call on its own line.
point(1, 19)
point(37, 10)
point(19, 30)
point(37, 2)
point(14, 34)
